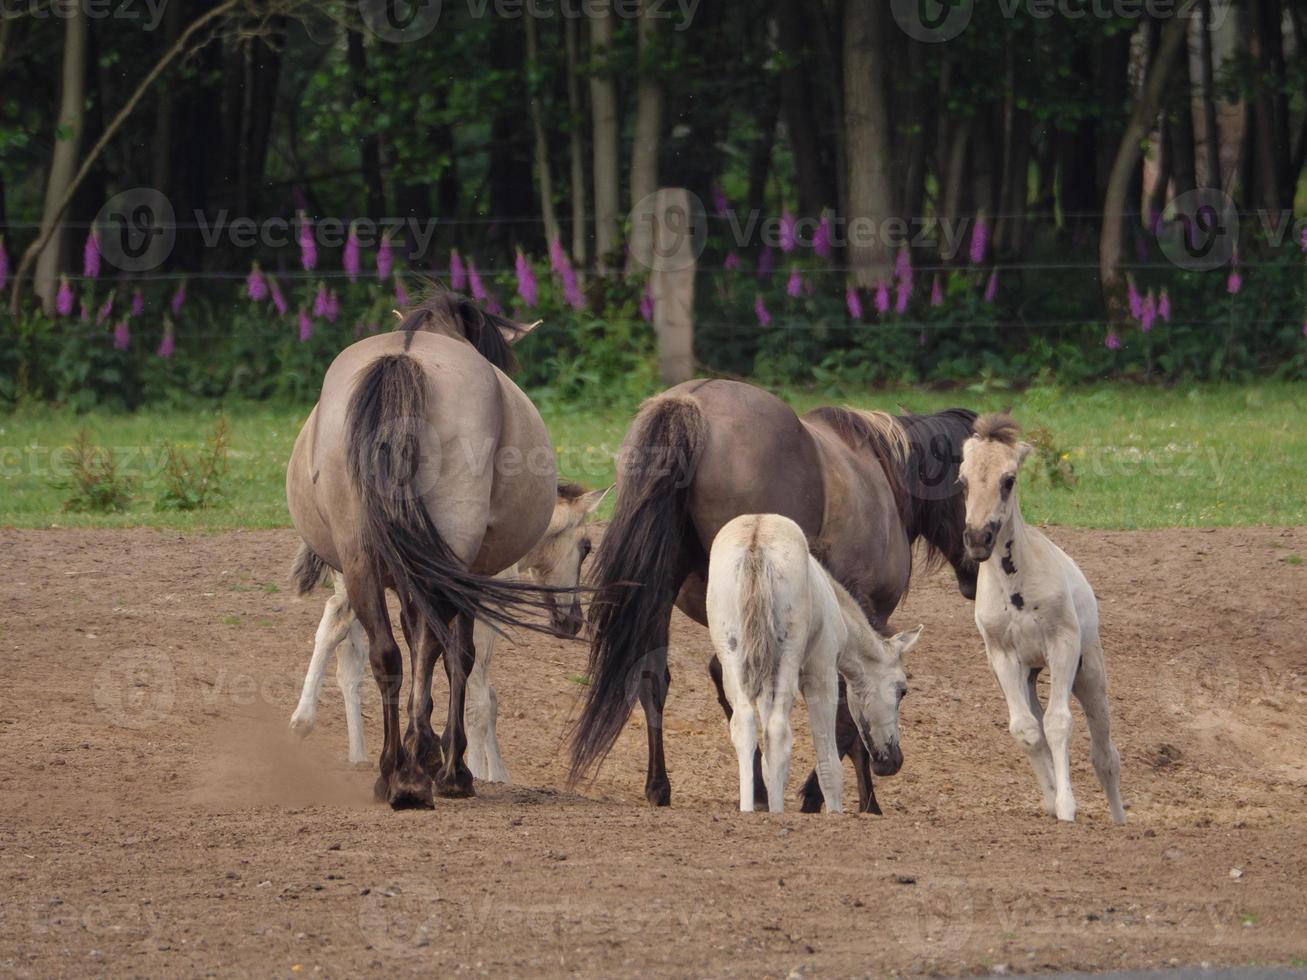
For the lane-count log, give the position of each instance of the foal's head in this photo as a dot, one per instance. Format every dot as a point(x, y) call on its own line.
point(557, 557)
point(876, 687)
point(990, 460)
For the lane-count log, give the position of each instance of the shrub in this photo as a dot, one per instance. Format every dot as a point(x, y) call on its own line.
point(194, 483)
point(94, 484)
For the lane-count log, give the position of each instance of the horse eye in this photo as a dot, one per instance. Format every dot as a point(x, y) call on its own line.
point(1008, 483)
point(903, 693)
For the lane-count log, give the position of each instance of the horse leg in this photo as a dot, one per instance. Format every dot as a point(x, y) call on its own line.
point(759, 784)
point(655, 679)
point(454, 778)
point(351, 656)
point(1063, 659)
point(420, 742)
point(821, 700)
point(368, 600)
point(778, 746)
point(1090, 689)
point(332, 629)
point(480, 711)
point(848, 742)
point(744, 735)
point(1043, 766)
point(1025, 728)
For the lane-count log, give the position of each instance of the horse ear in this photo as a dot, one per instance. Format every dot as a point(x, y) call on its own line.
point(594, 498)
point(901, 643)
point(1023, 450)
point(512, 336)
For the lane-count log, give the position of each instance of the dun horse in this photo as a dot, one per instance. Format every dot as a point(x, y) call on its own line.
point(1035, 610)
point(555, 560)
point(863, 486)
point(780, 623)
point(424, 469)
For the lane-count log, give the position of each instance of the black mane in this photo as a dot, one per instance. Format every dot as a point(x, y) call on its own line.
point(484, 330)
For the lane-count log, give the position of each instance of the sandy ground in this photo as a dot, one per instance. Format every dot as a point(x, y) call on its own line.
point(159, 819)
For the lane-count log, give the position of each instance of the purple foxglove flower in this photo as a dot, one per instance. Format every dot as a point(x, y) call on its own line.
point(557, 257)
point(1164, 307)
point(63, 300)
point(106, 311)
point(732, 261)
point(902, 293)
point(138, 303)
point(278, 300)
point(526, 280)
point(167, 346)
point(1148, 313)
point(401, 294)
point(320, 301)
point(91, 255)
point(474, 282)
point(332, 312)
point(256, 286)
point(457, 271)
point(178, 299)
point(385, 259)
point(720, 203)
point(991, 287)
point(1303, 242)
point(572, 294)
point(305, 325)
point(903, 265)
point(1134, 301)
point(794, 288)
point(765, 263)
point(854, 302)
point(647, 304)
point(881, 301)
point(789, 237)
point(350, 260)
point(122, 335)
point(308, 244)
point(760, 311)
point(1112, 341)
point(1235, 282)
point(493, 306)
point(4, 264)
point(821, 237)
point(979, 240)
point(937, 292)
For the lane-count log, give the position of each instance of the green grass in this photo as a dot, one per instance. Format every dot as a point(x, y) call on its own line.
point(1142, 456)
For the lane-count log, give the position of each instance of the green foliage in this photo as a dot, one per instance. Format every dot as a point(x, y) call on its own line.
point(195, 482)
point(94, 484)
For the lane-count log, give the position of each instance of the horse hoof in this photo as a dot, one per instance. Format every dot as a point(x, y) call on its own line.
point(457, 786)
point(301, 725)
point(412, 792)
point(659, 794)
point(810, 804)
point(871, 806)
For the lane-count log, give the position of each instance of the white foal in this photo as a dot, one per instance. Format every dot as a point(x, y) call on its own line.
point(780, 625)
point(555, 560)
point(1035, 610)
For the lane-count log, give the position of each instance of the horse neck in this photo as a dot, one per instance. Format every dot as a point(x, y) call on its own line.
point(1013, 546)
point(861, 641)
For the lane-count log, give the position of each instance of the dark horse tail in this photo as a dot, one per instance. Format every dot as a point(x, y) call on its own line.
point(637, 568)
point(385, 428)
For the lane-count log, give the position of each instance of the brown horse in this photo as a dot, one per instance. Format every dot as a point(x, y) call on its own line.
point(424, 469)
point(863, 486)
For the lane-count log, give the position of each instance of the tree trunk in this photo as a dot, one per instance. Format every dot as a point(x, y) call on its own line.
point(866, 116)
point(645, 142)
point(544, 177)
point(576, 128)
point(832, 70)
point(165, 110)
point(1211, 132)
point(797, 105)
point(63, 161)
point(262, 69)
point(1270, 114)
point(370, 146)
point(955, 178)
point(1126, 164)
point(607, 151)
point(1184, 166)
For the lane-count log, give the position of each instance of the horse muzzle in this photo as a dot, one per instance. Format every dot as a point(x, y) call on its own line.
point(979, 541)
point(889, 762)
point(567, 620)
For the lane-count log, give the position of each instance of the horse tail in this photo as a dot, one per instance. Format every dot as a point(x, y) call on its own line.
point(760, 638)
point(385, 430)
point(307, 571)
point(638, 568)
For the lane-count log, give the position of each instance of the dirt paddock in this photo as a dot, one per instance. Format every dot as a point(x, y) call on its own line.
point(159, 819)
